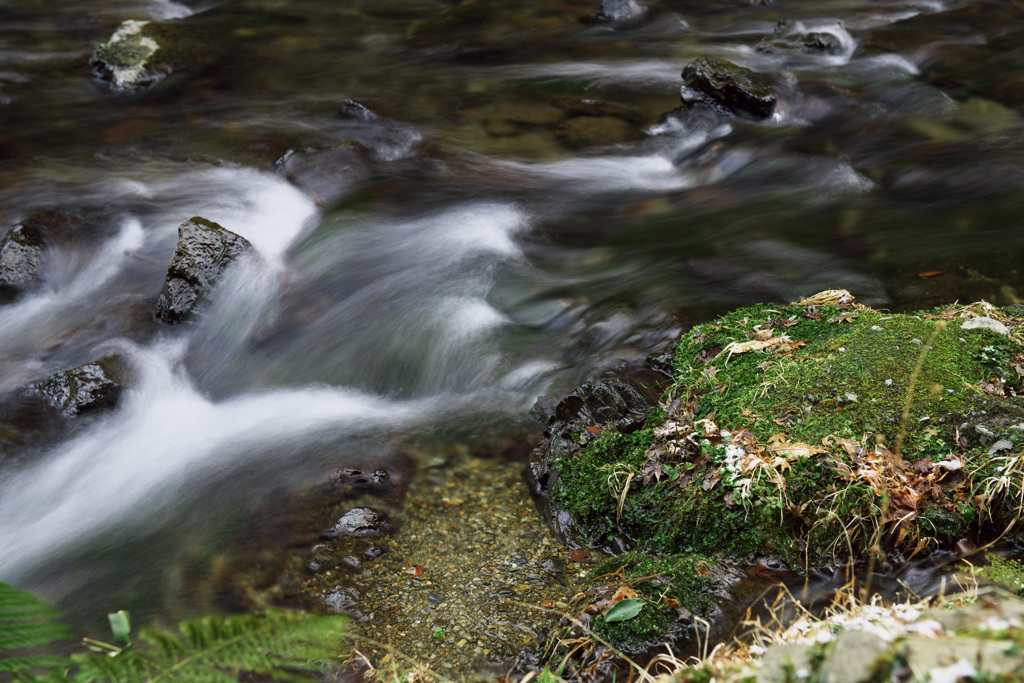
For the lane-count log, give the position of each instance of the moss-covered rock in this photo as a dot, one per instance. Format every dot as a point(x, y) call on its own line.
point(816, 432)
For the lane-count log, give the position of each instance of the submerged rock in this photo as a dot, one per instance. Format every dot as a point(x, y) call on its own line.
point(620, 11)
point(727, 88)
point(808, 43)
point(362, 523)
point(596, 131)
point(91, 387)
point(327, 174)
point(203, 253)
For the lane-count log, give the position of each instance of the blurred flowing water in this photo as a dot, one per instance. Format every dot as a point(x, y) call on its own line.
point(479, 268)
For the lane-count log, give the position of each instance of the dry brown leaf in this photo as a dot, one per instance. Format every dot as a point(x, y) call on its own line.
point(623, 593)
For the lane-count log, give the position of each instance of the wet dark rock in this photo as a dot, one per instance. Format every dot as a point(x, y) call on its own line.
point(389, 479)
point(728, 88)
point(615, 404)
point(807, 43)
point(21, 263)
point(87, 388)
point(596, 131)
point(203, 253)
point(356, 111)
point(23, 252)
point(620, 11)
point(361, 523)
point(327, 174)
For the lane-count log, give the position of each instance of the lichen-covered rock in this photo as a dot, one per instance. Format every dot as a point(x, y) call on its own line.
point(125, 61)
point(141, 54)
point(328, 174)
point(727, 88)
point(204, 251)
point(87, 388)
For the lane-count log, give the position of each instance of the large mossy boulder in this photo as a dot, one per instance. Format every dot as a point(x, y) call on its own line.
point(204, 251)
point(817, 432)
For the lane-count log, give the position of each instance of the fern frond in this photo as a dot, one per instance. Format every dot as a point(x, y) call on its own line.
point(26, 622)
point(283, 646)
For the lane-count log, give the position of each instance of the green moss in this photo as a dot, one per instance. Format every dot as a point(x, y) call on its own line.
point(1007, 571)
point(835, 381)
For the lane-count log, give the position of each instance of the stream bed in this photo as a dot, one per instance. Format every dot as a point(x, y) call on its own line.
point(461, 210)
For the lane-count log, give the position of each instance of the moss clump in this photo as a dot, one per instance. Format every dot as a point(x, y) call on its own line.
point(815, 432)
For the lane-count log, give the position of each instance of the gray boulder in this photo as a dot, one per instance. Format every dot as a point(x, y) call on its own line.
point(203, 253)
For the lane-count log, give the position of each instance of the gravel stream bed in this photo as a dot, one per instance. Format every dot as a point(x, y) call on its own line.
point(469, 576)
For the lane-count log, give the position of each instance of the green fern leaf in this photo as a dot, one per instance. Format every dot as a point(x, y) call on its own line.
point(27, 622)
point(281, 646)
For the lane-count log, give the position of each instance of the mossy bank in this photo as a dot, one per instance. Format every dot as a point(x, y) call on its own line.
point(816, 433)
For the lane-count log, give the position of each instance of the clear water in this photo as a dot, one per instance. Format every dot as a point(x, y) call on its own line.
point(474, 273)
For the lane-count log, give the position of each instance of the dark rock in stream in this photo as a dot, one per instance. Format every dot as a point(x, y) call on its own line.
point(23, 252)
point(87, 388)
point(204, 251)
point(361, 523)
point(588, 411)
point(328, 174)
point(621, 11)
point(350, 109)
point(727, 88)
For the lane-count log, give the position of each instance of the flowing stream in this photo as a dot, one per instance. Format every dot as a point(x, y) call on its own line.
point(489, 259)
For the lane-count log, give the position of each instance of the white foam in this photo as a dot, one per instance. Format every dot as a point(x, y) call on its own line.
point(34, 317)
point(162, 439)
point(611, 173)
point(637, 73)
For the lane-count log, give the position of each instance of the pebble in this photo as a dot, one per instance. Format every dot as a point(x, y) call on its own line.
point(985, 323)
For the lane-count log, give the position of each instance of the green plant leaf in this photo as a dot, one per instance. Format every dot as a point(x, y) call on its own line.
point(121, 626)
point(624, 610)
point(27, 622)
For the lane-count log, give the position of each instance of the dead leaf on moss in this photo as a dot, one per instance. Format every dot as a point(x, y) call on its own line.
point(830, 297)
point(995, 387)
point(736, 348)
point(847, 317)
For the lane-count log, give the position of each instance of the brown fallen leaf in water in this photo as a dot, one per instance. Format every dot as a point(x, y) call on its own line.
point(580, 556)
point(594, 430)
